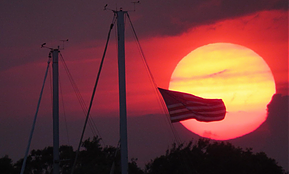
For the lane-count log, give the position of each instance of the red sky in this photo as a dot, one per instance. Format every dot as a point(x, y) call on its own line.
point(167, 30)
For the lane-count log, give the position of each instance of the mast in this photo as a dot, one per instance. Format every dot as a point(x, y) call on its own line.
point(55, 111)
point(122, 91)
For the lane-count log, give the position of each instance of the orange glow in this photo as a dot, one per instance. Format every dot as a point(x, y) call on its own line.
point(233, 73)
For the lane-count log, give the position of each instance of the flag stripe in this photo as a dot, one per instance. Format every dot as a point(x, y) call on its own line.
point(189, 116)
point(202, 107)
point(207, 114)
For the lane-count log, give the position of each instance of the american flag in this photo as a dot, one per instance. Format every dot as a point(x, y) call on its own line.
point(183, 106)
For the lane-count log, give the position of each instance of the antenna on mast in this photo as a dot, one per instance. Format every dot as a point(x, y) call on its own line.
point(43, 46)
point(135, 2)
point(105, 8)
point(63, 43)
point(58, 47)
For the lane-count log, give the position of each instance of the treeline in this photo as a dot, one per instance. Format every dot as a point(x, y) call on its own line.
point(202, 157)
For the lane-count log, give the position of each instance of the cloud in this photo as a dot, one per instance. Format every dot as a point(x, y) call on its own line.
point(277, 121)
point(37, 22)
point(176, 17)
point(256, 76)
point(272, 136)
point(278, 116)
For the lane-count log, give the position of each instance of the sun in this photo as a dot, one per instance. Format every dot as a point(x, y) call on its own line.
point(230, 72)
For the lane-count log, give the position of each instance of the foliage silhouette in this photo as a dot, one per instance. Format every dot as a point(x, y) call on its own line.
point(212, 158)
point(6, 166)
point(92, 159)
point(202, 157)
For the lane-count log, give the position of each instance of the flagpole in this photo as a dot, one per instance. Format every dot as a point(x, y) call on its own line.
point(122, 92)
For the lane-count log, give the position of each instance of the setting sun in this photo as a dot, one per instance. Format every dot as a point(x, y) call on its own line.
point(230, 72)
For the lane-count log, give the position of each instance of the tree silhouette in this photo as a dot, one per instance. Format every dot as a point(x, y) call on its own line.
point(6, 166)
point(212, 158)
point(202, 157)
point(91, 159)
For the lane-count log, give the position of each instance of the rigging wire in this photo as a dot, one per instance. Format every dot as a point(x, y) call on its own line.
point(93, 93)
point(161, 102)
point(115, 154)
point(64, 113)
point(51, 88)
point(34, 121)
point(92, 125)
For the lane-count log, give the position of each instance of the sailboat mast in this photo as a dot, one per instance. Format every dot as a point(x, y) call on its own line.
point(122, 92)
point(55, 111)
